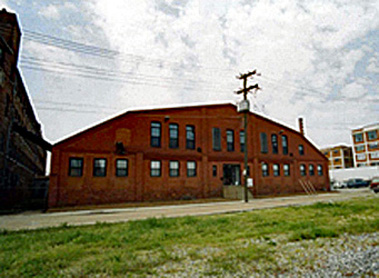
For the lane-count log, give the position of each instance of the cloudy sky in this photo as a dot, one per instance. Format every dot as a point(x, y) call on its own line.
point(84, 61)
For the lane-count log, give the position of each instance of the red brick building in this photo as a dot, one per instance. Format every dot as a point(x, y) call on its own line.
point(180, 153)
point(22, 158)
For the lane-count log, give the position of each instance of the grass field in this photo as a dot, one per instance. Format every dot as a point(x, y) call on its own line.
point(142, 248)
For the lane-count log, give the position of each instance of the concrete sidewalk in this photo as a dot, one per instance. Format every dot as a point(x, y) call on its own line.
point(34, 220)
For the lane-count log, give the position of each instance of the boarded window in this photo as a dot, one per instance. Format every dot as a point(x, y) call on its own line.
point(264, 145)
point(303, 171)
point(230, 140)
point(242, 140)
point(216, 136)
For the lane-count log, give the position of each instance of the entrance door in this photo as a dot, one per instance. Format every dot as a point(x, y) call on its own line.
point(231, 174)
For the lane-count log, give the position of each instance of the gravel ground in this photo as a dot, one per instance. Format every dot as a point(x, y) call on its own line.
point(345, 256)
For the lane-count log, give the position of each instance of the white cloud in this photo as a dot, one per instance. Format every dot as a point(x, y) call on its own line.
point(191, 51)
point(373, 65)
point(50, 12)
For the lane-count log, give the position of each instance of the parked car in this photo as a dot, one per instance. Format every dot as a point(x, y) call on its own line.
point(355, 183)
point(374, 184)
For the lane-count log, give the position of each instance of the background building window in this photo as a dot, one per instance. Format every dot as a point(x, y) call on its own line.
point(372, 146)
point(319, 170)
point(230, 140)
point(301, 149)
point(214, 170)
point(216, 139)
point(174, 168)
point(358, 137)
point(242, 140)
point(372, 135)
point(276, 170)
point(311, 170)
point(174, 136)
point(191, 168)
point(274, 143)
point(360, 148)
point(99, 167)
point(156, 134)
point(285, 144)
point(190, 137)
point(122, 167)
point(75, 167)
point(264, 145)
point(155, 168)
point(286, 170)
point(265, 172)
point(303, 171)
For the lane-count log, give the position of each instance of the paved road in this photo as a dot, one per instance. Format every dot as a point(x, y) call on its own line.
point(34, 220)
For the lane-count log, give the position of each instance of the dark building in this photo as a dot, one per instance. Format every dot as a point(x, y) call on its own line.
point(22, 154)
point(181, 153)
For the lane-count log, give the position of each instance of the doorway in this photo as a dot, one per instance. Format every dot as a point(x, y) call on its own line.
point(231, 174)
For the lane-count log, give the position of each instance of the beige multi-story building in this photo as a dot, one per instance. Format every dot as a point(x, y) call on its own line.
point(366, 145)
point(340, 157)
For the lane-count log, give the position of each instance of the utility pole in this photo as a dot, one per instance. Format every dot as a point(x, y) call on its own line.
point(245, 108)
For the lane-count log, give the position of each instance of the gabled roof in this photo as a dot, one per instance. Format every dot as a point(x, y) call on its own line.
point(141, 110)
point(178, 107)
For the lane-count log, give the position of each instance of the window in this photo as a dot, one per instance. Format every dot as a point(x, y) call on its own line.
point(276, 170)
point(264, 147)
point(214, 170)
point(242, 140)
point(75, 167)
point(337, 160)
point(319, 170)
point(174, 168)
point(216, 136)
point(174, 136)
point(311, 170)
point(372, 135)
point(301, 149)
point(121, 167)
point(286, 170)
point(191, 168)
point(99, 167)
point(274, 143)
point(358, 137)
point(361, 156)
point(155, 168)
point(230, 140)
point(372, 146)
point(303, 171)
point(285, 144)
point(360, 148)
point(190, 137)
point(336, 152)
point(265, 169)
point(156, 134)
